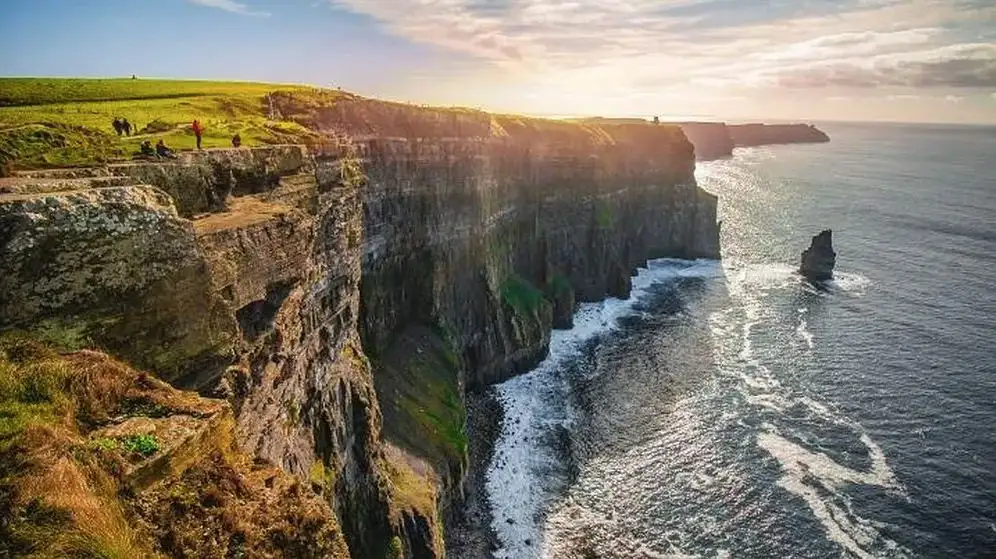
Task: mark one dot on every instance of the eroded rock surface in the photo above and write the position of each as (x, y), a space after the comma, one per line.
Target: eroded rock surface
(444, 245)
(819, 259)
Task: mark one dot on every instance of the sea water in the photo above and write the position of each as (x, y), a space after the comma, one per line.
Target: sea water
(730, 409)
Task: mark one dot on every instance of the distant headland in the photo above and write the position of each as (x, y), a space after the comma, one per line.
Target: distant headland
(715, 140)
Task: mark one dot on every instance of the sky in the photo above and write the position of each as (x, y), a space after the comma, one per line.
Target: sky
(858, 60)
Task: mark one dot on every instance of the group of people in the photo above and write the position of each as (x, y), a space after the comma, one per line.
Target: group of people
(161, 150)
(123, 127)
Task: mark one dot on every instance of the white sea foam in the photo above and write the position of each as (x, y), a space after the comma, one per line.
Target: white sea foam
(809, 474)
(850, 283)
(521, 479)
(535, 404)
(805, 473)
(803, 331)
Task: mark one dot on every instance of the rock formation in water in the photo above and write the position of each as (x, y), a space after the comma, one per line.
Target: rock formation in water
(343, 299)
(819, 259)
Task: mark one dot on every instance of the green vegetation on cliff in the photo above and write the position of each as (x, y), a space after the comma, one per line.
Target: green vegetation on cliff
(61, 122)
(519, 294)
(603, 216)
(559, 285)
(417, 381)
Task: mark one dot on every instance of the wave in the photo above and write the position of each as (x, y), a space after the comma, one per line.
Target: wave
(807, 473)
(519, 481)
(818, 479)
(849, 283)
(803, 329)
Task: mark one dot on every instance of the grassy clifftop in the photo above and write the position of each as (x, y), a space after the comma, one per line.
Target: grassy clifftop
(48, 122)
(55, 122)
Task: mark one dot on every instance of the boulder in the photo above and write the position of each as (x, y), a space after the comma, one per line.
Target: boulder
(819, 259)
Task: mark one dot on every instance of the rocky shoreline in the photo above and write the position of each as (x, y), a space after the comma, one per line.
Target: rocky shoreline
(469, 533)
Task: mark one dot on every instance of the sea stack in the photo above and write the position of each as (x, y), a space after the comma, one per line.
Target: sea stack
(819, 259)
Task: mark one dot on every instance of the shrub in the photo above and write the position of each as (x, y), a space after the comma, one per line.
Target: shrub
(145, 445)
(396, 549)
(521, 295)
(156, 126)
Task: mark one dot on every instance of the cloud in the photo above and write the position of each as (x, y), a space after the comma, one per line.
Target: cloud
(902, 97)
(229, 6)
(855, 44)
(660, 45)
(960, 65)
(953, 98)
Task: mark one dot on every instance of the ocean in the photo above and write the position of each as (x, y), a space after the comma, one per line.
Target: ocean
(730, 409)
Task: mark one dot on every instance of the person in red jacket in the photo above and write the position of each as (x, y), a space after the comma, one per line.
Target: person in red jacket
(198, 131)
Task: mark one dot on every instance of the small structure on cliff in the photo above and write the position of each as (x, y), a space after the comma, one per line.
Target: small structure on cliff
(819, 259)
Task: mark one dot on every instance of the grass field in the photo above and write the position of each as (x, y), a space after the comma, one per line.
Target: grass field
(61, 122)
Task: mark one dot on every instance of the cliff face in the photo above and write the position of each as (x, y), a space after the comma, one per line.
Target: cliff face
(255, 301)
(442, 244)
(746, 135)
(484, 214)
(715, 140)
(711, 139)
(482, 232)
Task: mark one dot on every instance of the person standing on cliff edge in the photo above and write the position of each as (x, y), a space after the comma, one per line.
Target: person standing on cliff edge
(198, 131)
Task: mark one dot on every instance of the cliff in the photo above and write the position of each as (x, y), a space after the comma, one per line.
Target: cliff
(712, 140)
(233, 272)
(746, 135)
(343, 299)
(715, 140)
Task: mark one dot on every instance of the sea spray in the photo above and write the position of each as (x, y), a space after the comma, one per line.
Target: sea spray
(519, 481)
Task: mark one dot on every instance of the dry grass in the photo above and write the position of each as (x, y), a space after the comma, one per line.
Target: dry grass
(226, 506)
(244, 212)
(65, 495)
(57, 503)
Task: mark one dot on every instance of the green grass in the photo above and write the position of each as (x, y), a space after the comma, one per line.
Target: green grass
(603, 216)
(33, 383)
(395, 550)
(435, 407)
(518, 293)
(322, 477)
(65, 122)
(38, 91)
(145, 445)
(559, 285)
(418, 383)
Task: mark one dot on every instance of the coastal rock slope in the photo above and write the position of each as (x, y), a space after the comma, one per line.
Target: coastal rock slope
(344, 298)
